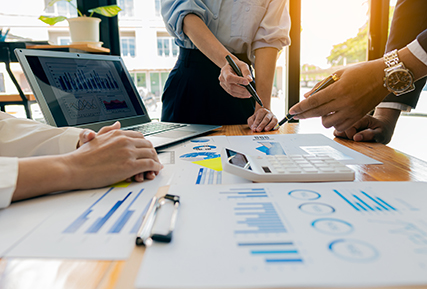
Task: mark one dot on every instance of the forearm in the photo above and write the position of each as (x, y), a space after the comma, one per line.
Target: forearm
(388, 116)
(204, 40)
(42, 175)
(265, 66)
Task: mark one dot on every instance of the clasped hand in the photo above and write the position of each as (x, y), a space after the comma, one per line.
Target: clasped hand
(113, 155)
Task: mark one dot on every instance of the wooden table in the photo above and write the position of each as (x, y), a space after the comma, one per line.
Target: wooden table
(48, 273)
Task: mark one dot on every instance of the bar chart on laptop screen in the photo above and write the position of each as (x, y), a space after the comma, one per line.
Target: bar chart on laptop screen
(88, 91)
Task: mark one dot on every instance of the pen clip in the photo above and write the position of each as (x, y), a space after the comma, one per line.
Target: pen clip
(144, 236)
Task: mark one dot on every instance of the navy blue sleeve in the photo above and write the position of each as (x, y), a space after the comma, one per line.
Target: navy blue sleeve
(422, 39)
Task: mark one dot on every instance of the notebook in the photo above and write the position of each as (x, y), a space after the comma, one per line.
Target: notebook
(92, 91)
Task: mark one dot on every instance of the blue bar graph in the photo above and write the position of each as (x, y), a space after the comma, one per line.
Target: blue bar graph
(138, 223)
(245, 193)
(80, 80)
(257, 218)
(273, 252)
(364, 202)
(124, 217)
(207, 176)
(97, 225)
(83, 217)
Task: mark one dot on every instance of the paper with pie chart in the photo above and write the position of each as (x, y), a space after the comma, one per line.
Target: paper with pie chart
(198, 161)
(294, 235)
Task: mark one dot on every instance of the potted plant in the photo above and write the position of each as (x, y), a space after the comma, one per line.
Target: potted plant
(83, 28)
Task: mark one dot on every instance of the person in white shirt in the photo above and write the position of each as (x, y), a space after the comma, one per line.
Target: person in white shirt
(202, 87)
(37, 159)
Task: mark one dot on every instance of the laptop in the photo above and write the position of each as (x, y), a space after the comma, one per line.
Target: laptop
(92, 91)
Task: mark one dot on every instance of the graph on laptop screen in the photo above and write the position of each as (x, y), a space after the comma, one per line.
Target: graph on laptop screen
(86, 90)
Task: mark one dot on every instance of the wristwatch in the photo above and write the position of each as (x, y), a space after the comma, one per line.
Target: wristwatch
(398, 79)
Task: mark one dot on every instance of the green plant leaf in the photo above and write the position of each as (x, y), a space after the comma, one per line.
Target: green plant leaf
(51, 20)
(109, 11)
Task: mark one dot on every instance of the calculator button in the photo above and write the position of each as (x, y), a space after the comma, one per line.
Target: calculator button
(281, 171)
(326, 169)
(310, 170)
(281, 157)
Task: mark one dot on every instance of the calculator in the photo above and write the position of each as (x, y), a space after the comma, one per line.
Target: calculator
(285, 168)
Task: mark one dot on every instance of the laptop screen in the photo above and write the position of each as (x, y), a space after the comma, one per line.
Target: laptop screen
(81, 91)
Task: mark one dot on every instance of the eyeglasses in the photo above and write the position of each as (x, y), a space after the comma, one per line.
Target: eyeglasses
(144, 236)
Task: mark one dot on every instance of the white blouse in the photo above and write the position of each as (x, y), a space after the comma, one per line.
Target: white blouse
(24, 138)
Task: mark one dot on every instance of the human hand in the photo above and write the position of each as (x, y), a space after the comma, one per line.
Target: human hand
(87, 135)
(232, 83)
(262, 119)
(378, 128)
(113, 156)
(359, 89)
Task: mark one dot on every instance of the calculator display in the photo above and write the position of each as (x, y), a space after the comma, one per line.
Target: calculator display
(238, 159)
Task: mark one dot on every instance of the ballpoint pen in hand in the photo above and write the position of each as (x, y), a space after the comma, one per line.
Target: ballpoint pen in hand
(249, 87)
(323, 84)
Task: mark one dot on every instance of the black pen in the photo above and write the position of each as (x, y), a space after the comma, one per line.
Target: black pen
(249, 87)
(323, 84)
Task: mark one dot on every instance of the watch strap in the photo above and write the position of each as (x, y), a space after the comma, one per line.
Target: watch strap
(391, 58)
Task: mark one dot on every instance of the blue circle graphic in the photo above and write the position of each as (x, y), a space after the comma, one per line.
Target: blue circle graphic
(354, 250)
(204, 148)
(316, 209)
(198, 156)
(200, 140)
(332, 226)
(304, 195)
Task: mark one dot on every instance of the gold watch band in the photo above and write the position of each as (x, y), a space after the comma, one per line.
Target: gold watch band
(391, 58)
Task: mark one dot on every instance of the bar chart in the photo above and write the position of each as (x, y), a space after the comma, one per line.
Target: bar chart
(79, 80)
(362, 201)
(208, 176)
(257, 218)
(281, 252)
(101, 221)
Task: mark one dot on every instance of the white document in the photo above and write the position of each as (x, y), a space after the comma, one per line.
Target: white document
(298, 144)
(197, 161)
(278, 235)
(99, 224)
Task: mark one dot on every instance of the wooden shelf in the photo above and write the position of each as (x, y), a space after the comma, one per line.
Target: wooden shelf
(84, 47)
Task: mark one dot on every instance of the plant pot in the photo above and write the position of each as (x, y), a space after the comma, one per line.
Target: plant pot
(84, 29)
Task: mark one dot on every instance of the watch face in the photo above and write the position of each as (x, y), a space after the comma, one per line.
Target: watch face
(399, 80)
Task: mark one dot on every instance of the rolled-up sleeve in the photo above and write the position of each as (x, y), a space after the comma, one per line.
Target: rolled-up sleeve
(23, 138)
(274, 28)
(174, 12)
(8, 179)
(418, 47)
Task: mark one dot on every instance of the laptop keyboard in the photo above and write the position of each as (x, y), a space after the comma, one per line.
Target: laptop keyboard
(155, 127)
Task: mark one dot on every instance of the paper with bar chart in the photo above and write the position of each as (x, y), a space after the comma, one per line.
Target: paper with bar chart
(102, 225)
(278, 235)
(198, 161)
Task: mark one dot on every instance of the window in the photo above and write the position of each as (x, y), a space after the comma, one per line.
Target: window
(141, 80)
(157, 7)
(64, 40)
(166, 47)
(127, 8)
(157, 82)
(2, 87)
(128, 46)
(62, 8)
